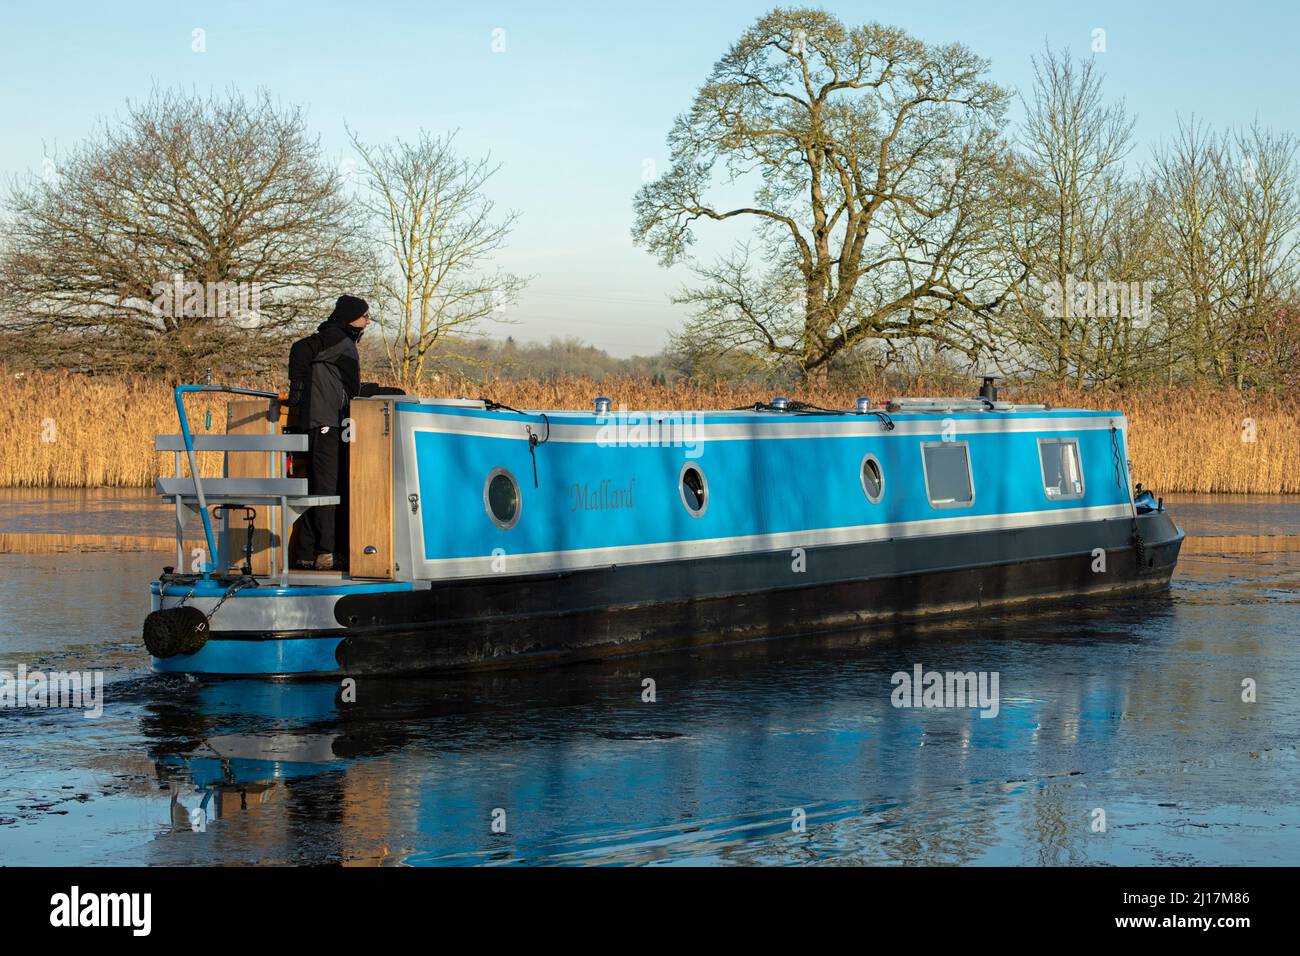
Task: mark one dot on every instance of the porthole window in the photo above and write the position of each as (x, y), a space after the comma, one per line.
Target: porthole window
(694, 489)
(501, 498)
(873, 479)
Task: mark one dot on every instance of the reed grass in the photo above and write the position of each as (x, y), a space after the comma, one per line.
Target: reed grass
(35, 543)
(60, 429)
(1240, 544)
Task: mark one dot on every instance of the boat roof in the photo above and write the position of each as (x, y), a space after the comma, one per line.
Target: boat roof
(897, 408)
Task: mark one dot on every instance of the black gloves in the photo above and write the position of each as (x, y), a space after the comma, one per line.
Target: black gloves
(370, 390)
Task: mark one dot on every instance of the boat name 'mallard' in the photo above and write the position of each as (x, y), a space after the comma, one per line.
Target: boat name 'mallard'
(604, 496)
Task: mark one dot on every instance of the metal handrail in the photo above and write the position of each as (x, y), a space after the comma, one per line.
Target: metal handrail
(179, 394)
(233, 442)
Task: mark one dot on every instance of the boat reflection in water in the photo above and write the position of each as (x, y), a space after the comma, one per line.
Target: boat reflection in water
(579, 767)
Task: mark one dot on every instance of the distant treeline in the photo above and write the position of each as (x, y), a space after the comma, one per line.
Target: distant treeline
(482, 358)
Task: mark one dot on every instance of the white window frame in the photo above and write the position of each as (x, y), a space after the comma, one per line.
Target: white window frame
(487, 501)
(704, 482)
(862, 477)
(1078, 460)
(970, 473)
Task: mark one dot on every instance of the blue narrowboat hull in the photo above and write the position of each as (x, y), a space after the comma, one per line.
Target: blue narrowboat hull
(603, 553)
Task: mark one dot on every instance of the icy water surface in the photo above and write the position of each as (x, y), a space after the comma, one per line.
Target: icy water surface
(85, 511)
(1131, 707)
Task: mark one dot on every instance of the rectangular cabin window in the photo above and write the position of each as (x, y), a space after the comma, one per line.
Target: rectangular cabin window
(1062, 472)
(948, 479)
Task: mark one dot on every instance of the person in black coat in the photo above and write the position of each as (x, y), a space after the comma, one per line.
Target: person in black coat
(324, 376)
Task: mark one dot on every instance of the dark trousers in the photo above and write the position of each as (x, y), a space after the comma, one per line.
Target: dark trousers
(325, 528)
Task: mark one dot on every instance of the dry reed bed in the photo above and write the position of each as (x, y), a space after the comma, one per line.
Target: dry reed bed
(37, 543)
(1186, 439)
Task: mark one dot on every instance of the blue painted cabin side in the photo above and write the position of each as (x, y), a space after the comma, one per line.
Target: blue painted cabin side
(773, 482)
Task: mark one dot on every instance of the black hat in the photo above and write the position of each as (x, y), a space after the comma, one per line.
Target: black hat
(348, 308)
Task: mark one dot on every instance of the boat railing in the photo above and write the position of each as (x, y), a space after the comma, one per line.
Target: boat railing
(959, 405)
(195, 492)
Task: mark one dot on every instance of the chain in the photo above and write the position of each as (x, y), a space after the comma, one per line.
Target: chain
(534, 441)
(188, 593)
(1117, 459)
(533, 438)
(1139, 545)
(238, 585)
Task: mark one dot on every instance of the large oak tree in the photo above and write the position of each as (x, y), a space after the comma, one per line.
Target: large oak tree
(867, 159)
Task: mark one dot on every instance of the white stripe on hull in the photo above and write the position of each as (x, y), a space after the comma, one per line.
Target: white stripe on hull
(720, 547)
(690, 432)
(285, 613)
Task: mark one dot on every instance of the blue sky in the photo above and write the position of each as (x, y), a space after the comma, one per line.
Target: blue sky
(582, 96)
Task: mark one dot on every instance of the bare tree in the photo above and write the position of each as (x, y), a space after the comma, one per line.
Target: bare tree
(438, 232)
(1257, 178)
(1070, 221)
(196, 231)
(1194, 264)
(868, 155)
(1229, 231)
(1126, 339)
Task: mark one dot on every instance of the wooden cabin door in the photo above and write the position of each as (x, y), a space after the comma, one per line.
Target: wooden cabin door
(370, 487)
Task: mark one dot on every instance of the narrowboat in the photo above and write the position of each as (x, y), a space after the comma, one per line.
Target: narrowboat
(484, 536)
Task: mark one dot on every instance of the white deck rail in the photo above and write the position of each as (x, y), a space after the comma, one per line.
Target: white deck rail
(288, 494)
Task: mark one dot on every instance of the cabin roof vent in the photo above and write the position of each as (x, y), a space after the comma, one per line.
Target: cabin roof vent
(779, 403)
(601, 404)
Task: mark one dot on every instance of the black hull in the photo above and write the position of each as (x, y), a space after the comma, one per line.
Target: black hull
(614, 611)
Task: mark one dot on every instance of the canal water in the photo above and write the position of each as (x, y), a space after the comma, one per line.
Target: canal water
(1121, 735)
